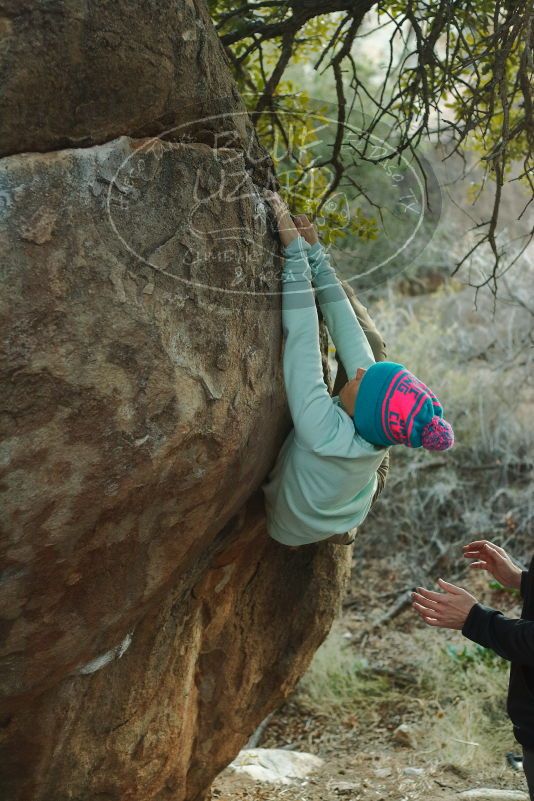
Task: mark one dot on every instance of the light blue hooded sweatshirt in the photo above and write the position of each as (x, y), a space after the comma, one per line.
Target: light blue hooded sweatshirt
(324, 477)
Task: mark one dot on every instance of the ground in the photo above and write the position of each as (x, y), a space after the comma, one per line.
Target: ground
(365, 759)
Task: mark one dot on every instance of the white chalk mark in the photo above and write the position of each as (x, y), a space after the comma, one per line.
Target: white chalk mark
(104, 659)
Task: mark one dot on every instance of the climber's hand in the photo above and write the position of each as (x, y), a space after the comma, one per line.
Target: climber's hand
(448, 610)
(306, 228)
(495, 560)
(286, 227)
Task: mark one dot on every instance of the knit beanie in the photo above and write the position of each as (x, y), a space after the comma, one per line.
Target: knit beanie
(393, 407)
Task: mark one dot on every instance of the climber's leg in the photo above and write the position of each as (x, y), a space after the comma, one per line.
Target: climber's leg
(378, 346)
(382, 474)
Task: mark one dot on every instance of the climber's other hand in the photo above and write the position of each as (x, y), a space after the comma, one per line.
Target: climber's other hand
(286, 227)
(306, 228)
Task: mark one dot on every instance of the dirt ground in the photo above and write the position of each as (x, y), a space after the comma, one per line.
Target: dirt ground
(366, 761)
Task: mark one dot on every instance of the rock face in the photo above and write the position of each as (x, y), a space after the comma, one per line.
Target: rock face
(207, 661)
(148, 623)
(77, 74)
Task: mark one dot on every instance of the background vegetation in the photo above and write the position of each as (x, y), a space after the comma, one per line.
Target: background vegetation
(454, 72)
(448, 86)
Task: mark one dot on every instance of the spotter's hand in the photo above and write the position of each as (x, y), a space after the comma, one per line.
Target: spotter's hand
(448, 609)
(495, 560)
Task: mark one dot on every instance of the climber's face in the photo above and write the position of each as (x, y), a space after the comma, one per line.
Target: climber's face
(349, 392)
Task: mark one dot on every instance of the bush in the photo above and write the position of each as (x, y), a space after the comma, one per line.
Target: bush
(482, 487)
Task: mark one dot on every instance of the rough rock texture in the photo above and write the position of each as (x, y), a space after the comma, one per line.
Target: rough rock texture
(140, 412)
(147, 622)
(214, 652)
(81, 73)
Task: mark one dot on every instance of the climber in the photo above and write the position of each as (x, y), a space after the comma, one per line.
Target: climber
(330, 468)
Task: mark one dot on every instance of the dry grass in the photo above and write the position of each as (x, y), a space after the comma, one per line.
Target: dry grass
(464, 716)
(337, 681)
(480, 367)
(456, 704)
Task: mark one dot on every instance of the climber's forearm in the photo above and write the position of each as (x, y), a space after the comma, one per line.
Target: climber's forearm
(309, 401)
(346, 332)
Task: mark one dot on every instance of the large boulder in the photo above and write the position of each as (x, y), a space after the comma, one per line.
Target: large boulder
(148, 623)
(74, 74)
(141, 409)
(206, 662)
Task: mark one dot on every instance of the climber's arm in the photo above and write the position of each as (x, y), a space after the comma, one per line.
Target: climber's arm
(313, 412)
(346, 332)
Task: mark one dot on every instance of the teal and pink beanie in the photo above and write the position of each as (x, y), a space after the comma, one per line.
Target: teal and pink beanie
(393, 407)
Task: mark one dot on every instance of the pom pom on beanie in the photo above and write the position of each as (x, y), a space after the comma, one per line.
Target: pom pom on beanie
(437, 435)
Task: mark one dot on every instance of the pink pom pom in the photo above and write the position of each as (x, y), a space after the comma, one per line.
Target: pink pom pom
(437, 435)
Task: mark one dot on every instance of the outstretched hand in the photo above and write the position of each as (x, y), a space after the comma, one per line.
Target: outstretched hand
(286, 227)
(448, 610)
(306, 228)
(495, 560)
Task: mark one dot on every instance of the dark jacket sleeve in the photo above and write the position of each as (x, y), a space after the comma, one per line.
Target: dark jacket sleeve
(523, 587)
(513, 639)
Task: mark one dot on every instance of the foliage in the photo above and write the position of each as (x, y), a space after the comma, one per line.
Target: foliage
(455, 70)
(467, 656)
